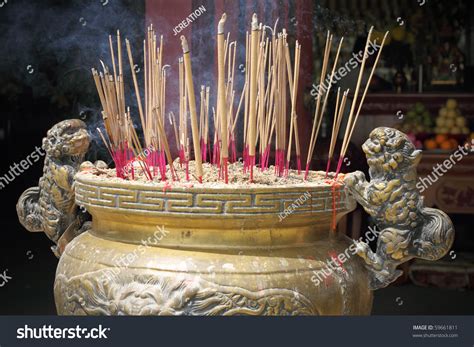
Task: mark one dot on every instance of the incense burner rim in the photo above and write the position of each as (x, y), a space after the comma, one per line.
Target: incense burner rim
(111, 201)
(322, 184)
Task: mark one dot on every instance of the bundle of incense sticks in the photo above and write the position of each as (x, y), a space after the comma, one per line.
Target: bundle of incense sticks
(120, 131)
(122, 140)
(340, 103)
(269, 82)
(268, 101)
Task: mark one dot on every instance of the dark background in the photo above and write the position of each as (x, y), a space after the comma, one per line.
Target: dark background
(47, 49)
(49, 39)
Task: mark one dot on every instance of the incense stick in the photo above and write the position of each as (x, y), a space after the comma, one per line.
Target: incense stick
(192, 108)
(318, 101)
(253, 94)
(135, 83)
(294, 89)
(338, 115)
(221, 97)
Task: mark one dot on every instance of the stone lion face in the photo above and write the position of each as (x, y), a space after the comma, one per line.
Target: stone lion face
(67, 138)
(389, 150)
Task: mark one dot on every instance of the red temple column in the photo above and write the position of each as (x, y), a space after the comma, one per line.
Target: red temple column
(304, 34)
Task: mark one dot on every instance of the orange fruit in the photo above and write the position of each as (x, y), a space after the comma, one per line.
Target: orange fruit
(440, 138)
(431, 144)
(454, 143)
(446, 145)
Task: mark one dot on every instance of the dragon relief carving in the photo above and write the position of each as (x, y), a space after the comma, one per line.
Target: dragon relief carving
(50, 206)
(106, 292)
(408, 229)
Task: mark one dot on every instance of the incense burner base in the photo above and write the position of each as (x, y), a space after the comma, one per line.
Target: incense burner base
(163, 281)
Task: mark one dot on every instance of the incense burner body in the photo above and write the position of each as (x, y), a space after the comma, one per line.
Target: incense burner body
(219, 251)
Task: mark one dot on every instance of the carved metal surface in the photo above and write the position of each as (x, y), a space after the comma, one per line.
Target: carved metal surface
(408, 229)
(128, 293)
(244, 201)
(50, 206)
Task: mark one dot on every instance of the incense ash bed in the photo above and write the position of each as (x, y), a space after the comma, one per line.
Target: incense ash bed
(207, 234)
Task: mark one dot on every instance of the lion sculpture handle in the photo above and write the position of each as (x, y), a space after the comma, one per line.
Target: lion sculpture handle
(50, 206)
(408, 229)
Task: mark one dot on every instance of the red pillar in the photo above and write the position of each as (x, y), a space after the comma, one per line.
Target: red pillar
(304, 34)
(165, 18)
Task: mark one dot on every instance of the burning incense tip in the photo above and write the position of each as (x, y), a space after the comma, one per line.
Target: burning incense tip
(104, 67)
(163, 69)
(275, 26)
(220, 26)
(254, 22)
(184, 44)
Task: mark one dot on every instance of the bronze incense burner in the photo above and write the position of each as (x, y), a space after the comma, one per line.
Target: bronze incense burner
(229, 250)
